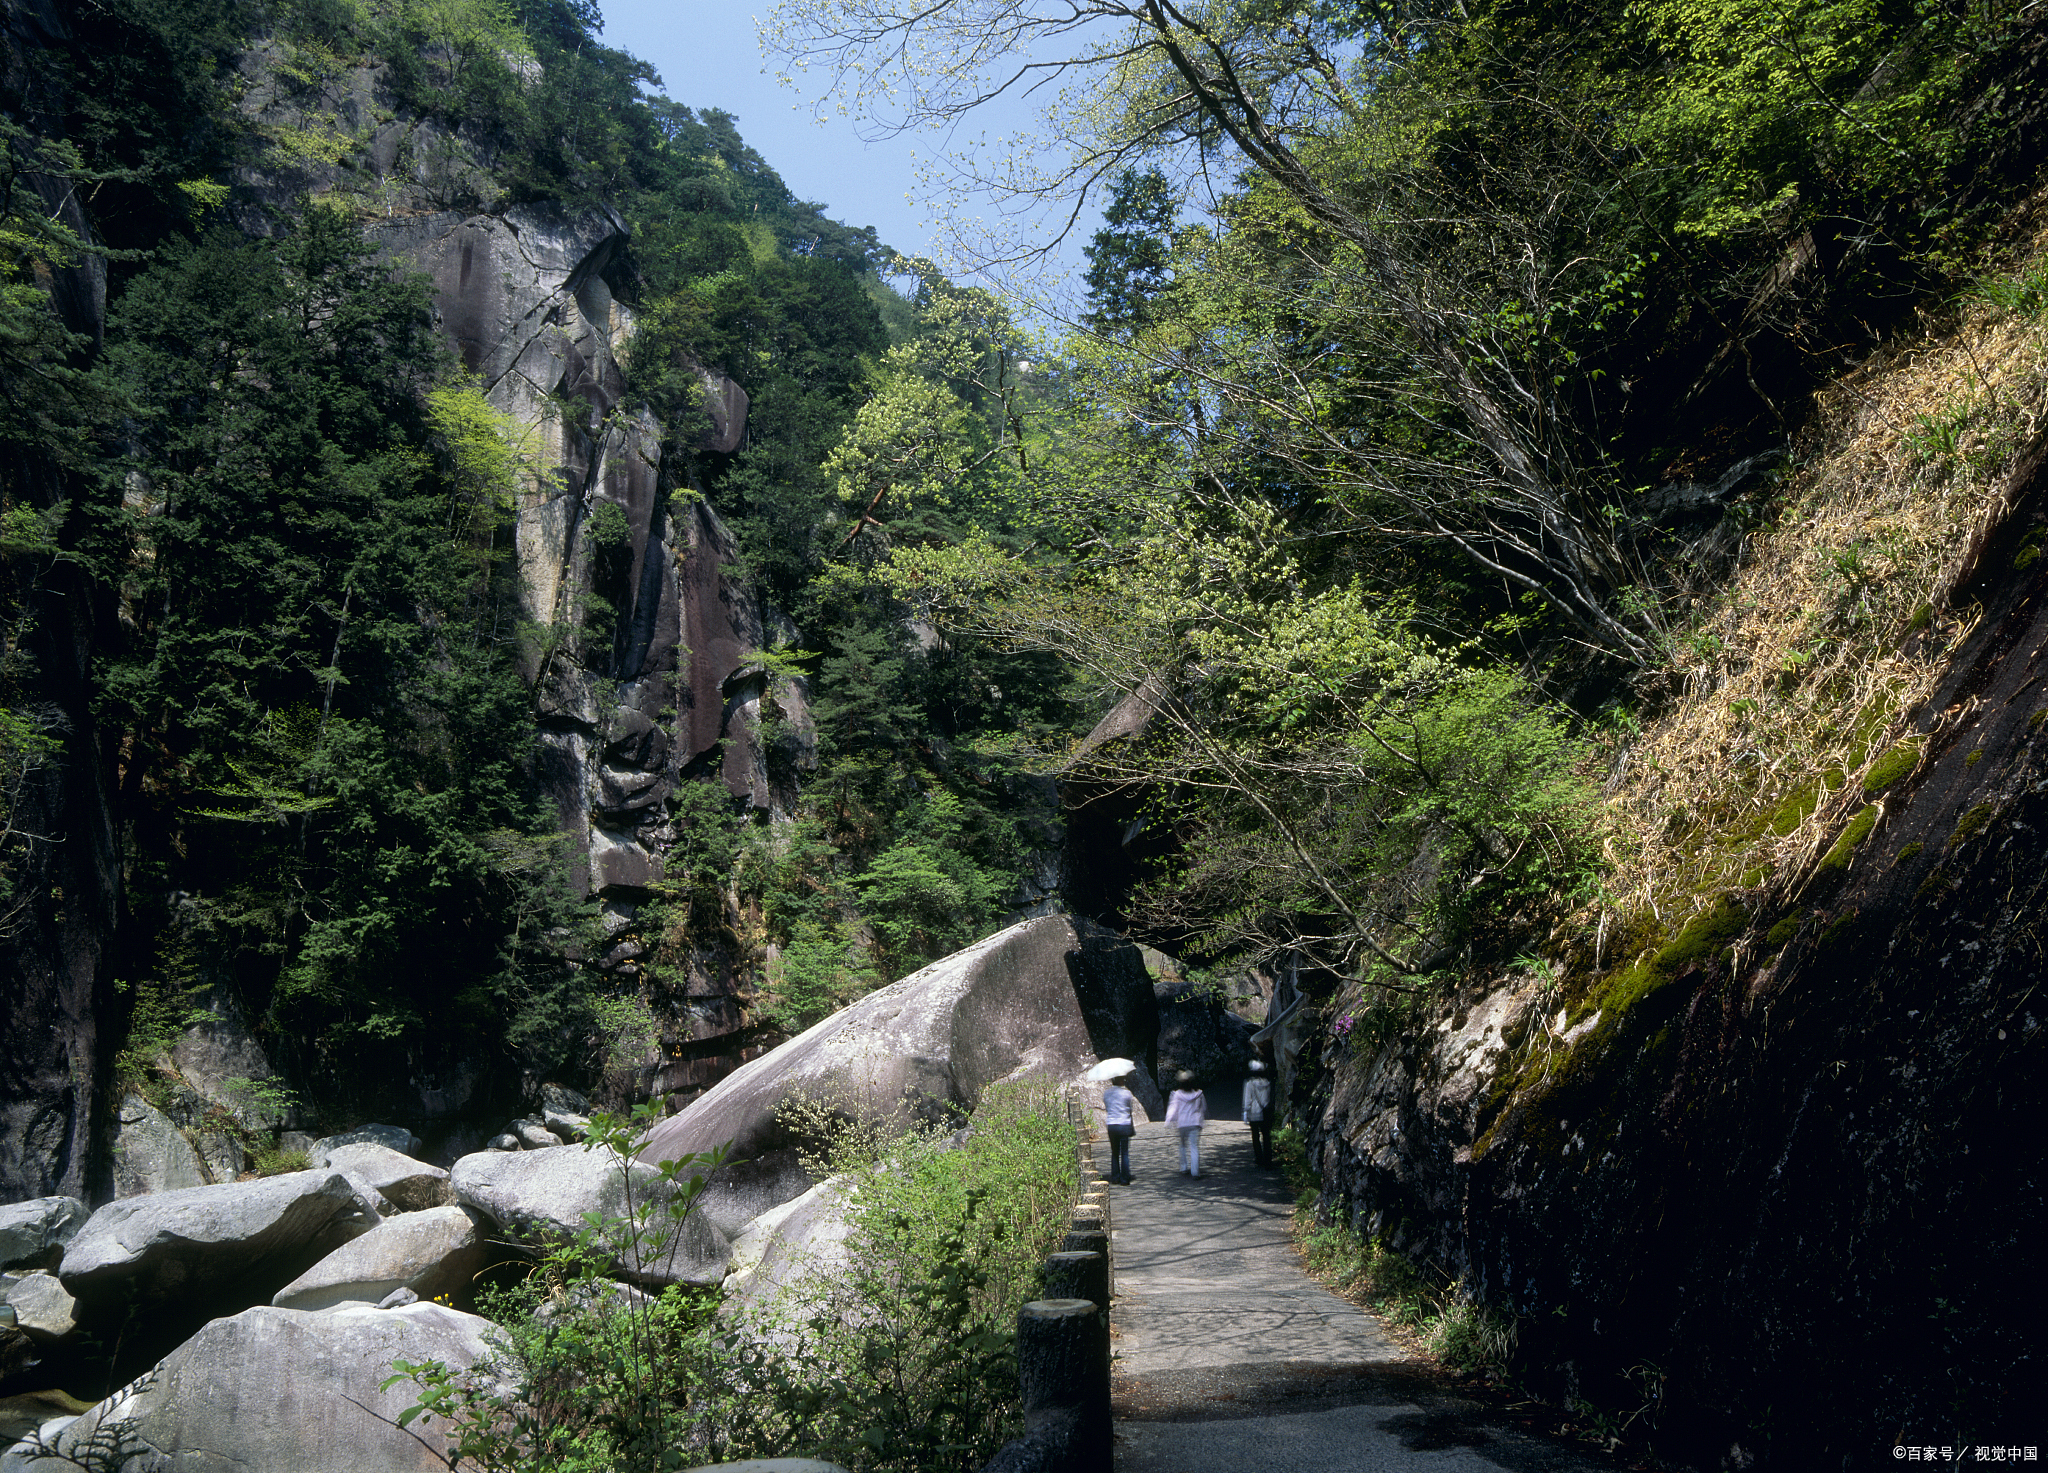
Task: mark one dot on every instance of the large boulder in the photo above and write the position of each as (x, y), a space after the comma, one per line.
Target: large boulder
(432, 1253)
(282, 1391)
(151, 1154)
(391, 1137)
(789, 1243)
(409, 1185)
(35, 1231)
(541, 1198)
(1048, 996)
(42, 1308)
(185, 1245)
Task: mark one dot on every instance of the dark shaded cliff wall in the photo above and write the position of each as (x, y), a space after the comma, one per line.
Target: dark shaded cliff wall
(1790, 1208)
(55, 987)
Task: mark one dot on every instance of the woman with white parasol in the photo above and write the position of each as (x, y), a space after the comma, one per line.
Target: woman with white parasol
(1117, 1119)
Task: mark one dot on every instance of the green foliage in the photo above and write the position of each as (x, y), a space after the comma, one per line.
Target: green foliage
(330, 744)
(1336, 777)
(1465, 1335)
(587, 1376)
(909, 1347)
(1130, 258)
(1889, 768)
(276, 1161)
(902, 1362)
(1836, 860)
(924, 895)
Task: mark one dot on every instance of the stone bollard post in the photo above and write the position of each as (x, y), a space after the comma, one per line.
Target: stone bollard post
(1063, 1364)
(1078, 1276)
(1093, 1240)
(1088, 1218)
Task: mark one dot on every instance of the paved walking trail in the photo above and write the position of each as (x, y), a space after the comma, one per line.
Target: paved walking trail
(1230, 1359)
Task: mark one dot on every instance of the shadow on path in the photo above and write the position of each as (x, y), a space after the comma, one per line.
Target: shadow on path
(1229, 1357)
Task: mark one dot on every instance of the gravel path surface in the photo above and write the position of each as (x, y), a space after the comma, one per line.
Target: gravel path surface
(1230, 1359)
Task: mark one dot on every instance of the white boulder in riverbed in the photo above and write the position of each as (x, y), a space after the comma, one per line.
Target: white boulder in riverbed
(540, 1198)
(411, 1186)
(41, 1307)
(392, 1137)
(30, 1230)
(1048, 996)
(281, 1391)
(181, 1245)
(432, 1253)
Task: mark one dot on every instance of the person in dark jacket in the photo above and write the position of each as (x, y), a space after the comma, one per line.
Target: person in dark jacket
(1258, 1113)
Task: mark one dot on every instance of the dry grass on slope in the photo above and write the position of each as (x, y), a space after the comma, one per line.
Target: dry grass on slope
(1798, 677)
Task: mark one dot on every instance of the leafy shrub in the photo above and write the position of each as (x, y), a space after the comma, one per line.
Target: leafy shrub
(903, 1362)
(910, 1346)
(276, 1161)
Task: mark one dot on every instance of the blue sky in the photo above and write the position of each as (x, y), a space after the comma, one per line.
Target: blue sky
(707, 57)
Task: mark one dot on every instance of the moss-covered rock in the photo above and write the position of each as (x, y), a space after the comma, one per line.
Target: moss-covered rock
(1836, 860)
(1889, 768)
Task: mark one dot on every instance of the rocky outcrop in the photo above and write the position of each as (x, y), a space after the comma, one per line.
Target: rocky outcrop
(220, 1060)
(151, 1154)
(408, 1185)
(1796, 1150)
(1047, 996)
(636, 693)
(433, 1253)
(1197, 1033)
(280, 1389)
(32, 1233)
(540, 1198)
(56, 977)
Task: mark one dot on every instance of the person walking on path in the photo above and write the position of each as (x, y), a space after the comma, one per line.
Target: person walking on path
(1118, 1121)
(1186, 1110)
(1258, 1113)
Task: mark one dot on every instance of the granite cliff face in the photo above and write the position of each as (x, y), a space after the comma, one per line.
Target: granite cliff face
(1782, 1201)
(647, 659)
(523, 299)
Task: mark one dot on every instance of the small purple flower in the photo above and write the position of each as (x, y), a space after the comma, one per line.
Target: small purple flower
(1342, 1027)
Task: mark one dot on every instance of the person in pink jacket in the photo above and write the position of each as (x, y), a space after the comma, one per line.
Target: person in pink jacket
(1186, 1111)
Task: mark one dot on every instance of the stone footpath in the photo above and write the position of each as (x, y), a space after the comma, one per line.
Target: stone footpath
(1230, 1359)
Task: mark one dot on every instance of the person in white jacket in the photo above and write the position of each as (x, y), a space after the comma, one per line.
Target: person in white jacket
(1186, 1111)
(1258, 1113)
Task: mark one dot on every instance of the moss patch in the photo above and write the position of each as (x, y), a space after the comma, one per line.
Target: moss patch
(1783, 932)
(1974, 758)
(1837, 858)
(1911, 851)
(1922, 617)
(1889, 768)
(1936, 885)
(1970, 824)
(2034, 721)
(1832, 936)
(1797, 807)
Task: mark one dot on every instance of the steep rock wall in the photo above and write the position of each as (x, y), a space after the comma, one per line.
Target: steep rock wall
(1787, 1207)
(632, 701)
(55, 941)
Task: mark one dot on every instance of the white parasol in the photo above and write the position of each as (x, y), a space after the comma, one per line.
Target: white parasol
(1110, 1069)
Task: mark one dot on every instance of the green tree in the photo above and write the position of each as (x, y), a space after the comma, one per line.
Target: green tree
(325, 738)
